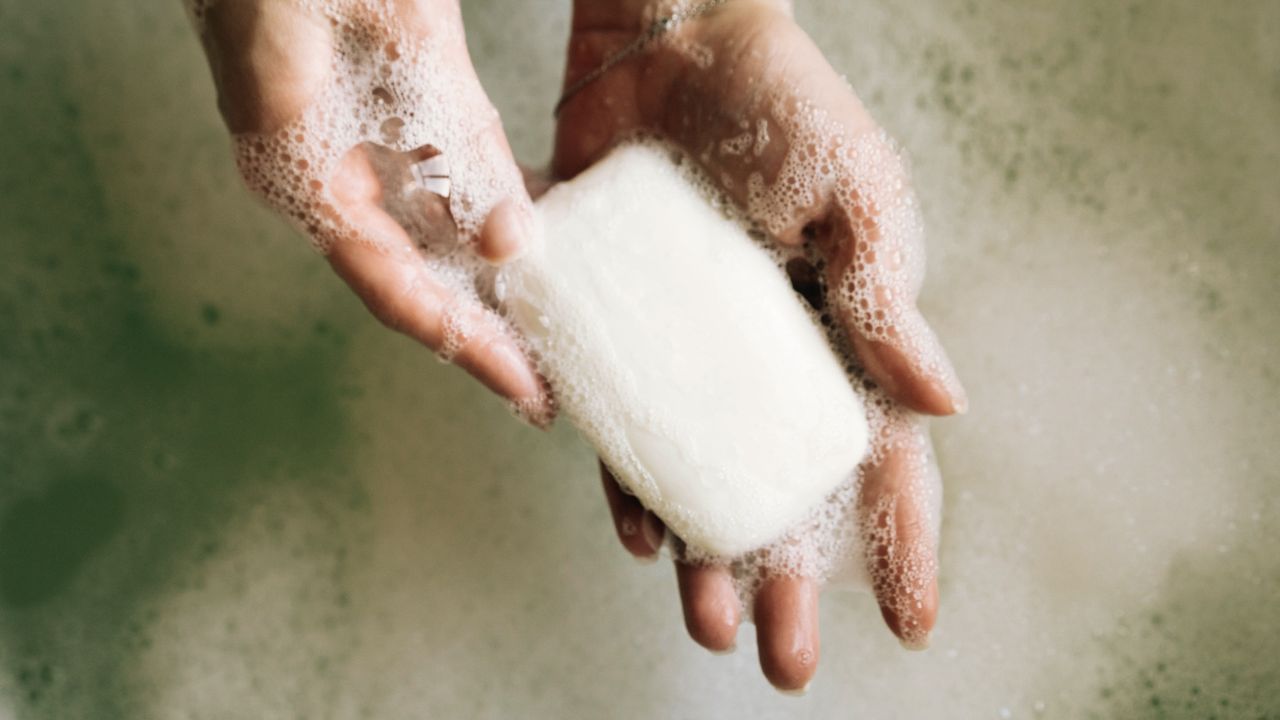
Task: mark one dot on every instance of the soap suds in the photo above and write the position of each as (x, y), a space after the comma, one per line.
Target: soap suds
(381, 80)
(871, 279)
(845, 536)
(426, 134)
(1104, 393)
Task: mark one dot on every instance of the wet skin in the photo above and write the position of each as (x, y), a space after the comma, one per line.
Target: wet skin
(269, 59)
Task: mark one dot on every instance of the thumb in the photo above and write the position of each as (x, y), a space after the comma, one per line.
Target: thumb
(490, 193)
(509, 225)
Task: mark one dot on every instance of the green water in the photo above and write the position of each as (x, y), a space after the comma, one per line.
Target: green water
(129, 441)
(225, 492)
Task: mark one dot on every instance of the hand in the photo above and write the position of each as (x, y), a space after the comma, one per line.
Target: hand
(330, 114)
(745, 93)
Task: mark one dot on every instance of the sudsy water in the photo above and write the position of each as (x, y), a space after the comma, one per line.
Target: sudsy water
(224, 491)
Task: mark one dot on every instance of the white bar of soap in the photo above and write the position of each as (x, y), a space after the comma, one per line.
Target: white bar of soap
(680, 351)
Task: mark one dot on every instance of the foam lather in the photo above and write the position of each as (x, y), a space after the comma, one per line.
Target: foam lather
(678, 348)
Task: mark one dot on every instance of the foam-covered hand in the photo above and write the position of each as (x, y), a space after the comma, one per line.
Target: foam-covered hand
(365, 124)
(745, 93)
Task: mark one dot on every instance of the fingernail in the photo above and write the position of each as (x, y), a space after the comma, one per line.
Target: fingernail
(653, 529)
(726, 651)
(645, 559)
(507, 231)
(796, 692)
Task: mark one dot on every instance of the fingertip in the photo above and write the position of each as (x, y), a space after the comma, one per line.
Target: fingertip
(933, 391)
(537, 409)
(501, 366)
(787, 632)
(913, 626)
(895, 506)
(507, 230)
(959, 399)
(797, 692)
(710, 604)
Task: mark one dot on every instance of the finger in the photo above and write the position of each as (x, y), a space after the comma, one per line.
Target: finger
(909, 363)
(898, 510)
(786, 616)
(506, 231)
(378, 260)
(876, 265)
(508, 228)
(710, 603)
(404, 296)
(639, 530)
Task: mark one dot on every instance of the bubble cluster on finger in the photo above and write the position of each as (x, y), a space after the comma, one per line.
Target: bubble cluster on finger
(900, 552)
(459, 328)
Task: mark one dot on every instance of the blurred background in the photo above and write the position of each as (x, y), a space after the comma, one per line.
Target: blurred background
(227, 492)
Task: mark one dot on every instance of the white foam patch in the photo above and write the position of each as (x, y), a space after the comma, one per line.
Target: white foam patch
(1106, 285)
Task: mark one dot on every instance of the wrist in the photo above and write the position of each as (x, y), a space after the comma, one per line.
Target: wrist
(636, 15)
